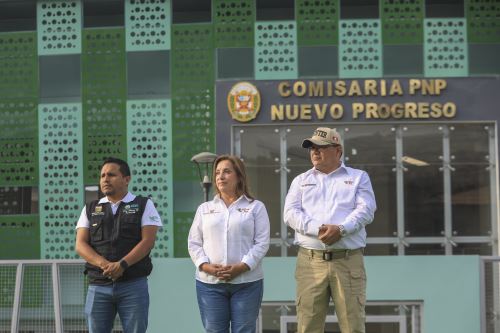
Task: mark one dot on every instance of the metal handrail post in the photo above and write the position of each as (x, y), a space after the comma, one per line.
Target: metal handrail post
(16, 307)
(57, 298)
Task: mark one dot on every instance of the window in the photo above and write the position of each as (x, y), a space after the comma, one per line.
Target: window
(434, 182)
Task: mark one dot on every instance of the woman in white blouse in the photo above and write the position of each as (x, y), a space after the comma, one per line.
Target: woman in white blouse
(227, 241)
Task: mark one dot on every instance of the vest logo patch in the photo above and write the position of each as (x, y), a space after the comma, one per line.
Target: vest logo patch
(131, 209)
(97, 211)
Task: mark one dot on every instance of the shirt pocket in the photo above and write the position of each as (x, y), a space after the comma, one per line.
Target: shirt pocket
(130, 227)
(245, 222)
(345, 195)
(96, 230)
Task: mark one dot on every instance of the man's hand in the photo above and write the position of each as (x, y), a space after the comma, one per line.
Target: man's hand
(231, 271)
(329, 233)
(113, 270)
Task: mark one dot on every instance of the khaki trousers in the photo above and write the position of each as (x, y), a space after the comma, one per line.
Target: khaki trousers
(343, 279)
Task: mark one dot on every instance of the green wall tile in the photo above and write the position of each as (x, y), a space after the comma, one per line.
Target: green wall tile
(147, 23)
(19, 237)
(104, 81)
(317, 22)
(59, 25)
(193, 112)
(402, 21)
(233, 22)
(18, 65)
(149, 138)
(183, 221)
(360, 49)
(276, 50)
(61, 178)
(445, 48)
(483, 21)
(193, 95)
(18, 143)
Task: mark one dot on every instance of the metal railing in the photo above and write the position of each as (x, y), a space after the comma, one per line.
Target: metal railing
(490, 294)
(49, 296)
(43, 296)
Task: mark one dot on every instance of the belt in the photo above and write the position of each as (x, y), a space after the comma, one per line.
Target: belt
(330, 254)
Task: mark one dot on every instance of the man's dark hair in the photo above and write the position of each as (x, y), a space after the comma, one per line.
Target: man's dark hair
(124, 168)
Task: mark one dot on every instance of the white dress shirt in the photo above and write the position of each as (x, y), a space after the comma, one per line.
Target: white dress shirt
(343, 197)
(149, 217)
(230, 235)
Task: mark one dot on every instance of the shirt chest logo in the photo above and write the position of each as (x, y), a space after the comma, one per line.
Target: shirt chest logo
(211, 211)
(243, 210)
(348, 182)
(98, 211)
(131, 209)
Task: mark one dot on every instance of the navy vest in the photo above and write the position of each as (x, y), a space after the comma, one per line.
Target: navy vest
(114, 236)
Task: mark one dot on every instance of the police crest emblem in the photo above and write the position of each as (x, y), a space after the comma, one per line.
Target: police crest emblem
(243, 102)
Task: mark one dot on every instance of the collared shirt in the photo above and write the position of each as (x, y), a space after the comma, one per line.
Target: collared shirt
(344, 196)
(149, 217)
(230, 235)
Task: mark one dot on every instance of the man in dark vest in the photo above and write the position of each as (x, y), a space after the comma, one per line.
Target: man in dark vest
(115, 236)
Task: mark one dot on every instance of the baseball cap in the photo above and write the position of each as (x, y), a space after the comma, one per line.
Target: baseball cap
(322, 136)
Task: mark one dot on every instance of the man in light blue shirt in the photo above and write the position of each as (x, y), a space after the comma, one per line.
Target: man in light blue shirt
(329, 206)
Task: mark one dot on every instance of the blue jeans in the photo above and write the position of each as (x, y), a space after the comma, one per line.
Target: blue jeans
(227, 304)
(130, 299)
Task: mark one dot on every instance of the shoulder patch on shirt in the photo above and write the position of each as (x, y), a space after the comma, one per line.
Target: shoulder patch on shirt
(154, 218)
(97, 211)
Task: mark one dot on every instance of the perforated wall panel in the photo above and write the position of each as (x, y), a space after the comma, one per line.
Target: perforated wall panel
(402, 21)
(18, 65)
(317, 22)
(18, 142)
(483, 20)
(104, 95)
(19, 236)
(59, 25)
(233, 22)
(149, 138)
(183, 221)
(147, 24)
(193, 95)
(445, 47)
(360, 49)
(276, 50)
(61, 178)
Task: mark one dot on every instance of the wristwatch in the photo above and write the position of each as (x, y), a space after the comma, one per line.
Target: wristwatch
(123, 264)
(343, 233)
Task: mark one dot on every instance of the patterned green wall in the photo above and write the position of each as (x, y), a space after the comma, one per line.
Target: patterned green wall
(402, 21)
(149, 139)
(317, 22)
(233, 23)
(104, 96)
(59, 26)
(51, 150)
(360, 50)
(276, 50)
(19, 234)
(61, 177)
